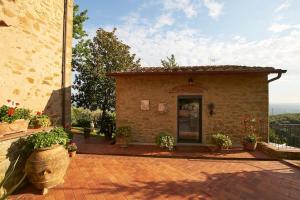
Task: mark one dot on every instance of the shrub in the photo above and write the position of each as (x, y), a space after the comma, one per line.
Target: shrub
(251, 138)
(165, 140)
(38, 121)
(47, 139)
(11, 114)
(221, 141)
(124, 131)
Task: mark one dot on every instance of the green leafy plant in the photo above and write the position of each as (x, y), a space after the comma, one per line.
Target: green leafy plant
(221, 140)
(124, 131)
(47, 139)
(251, 138)
(72, 147)
(165, 140)
(10, 114)
(39, 121)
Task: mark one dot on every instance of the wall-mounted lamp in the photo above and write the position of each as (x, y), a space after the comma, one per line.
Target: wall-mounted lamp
(191, 81)
(211, 108)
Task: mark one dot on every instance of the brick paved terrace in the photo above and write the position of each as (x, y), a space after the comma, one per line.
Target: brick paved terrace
(92, 176)
(124, 177)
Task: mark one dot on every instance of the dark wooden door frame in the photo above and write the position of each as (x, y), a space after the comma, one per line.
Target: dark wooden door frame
(198, 97)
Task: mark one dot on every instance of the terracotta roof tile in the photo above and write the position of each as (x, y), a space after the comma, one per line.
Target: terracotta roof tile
(199, 69)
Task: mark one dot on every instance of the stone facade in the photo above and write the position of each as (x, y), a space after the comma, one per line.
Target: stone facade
(31, 58)
(234, 96)
(31, 49)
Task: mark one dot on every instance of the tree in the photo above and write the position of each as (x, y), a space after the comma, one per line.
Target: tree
(80, 48)
(78, 20)
(105, 53)
(170, 62)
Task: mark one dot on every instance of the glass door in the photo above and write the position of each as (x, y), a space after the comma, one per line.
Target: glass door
(189, 119)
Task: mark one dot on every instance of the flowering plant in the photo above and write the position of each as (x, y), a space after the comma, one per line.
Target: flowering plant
(39, 120)
(10, 112)
(72, 147)
(165, 140)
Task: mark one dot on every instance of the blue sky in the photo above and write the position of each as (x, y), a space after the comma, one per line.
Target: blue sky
(201, 32)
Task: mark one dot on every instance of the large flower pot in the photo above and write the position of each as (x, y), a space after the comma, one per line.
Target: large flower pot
(47, 167)
(250, 146)
(19, 125)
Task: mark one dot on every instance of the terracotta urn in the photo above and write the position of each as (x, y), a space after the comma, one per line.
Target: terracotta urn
(19, 125)
(47, 167)
(249, 146)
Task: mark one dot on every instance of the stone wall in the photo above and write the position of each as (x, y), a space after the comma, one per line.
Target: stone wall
(234, 97)
(31, 48)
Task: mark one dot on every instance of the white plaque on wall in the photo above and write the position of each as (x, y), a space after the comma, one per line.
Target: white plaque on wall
(162, 107)
(145, 105)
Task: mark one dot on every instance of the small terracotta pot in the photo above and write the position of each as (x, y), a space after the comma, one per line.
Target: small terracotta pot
(249, 146)
(122, 141)
(72, 154)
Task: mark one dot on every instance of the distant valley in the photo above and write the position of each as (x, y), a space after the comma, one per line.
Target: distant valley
(282, 108)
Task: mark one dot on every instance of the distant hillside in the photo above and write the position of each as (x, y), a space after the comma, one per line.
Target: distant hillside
(281, 108)
(290, 118)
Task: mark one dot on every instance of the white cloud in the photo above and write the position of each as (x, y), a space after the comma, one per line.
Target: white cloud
(189, 8)
(214, 8)
(193, 48)
(165, 19)
(277, 28)
(283, 6)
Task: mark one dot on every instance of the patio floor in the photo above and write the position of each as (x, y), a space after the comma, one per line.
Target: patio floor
(94, 177)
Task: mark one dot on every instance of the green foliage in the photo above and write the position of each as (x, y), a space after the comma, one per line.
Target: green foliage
(47, 139)
(124, 131)
(170, 62)
(39, 121)
(276, 138)
(165, 140)
(81, 117)
(290, 118)
(78, 20)
(221, 140)
(104, 54)
(10, 114)
(251, 138)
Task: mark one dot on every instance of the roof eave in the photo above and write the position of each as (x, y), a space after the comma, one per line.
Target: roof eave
(113, 74)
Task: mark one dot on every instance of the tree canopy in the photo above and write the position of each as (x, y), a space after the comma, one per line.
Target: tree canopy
(170, 62)
(104, 54)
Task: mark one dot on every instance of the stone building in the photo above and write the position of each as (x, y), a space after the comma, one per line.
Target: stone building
(192, 103)
(35, 58)
(35, 68)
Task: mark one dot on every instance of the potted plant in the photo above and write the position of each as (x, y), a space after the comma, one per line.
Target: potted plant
(72, 148)
(49, 160)
(123, 133)
(13, 119)
(221, 141)
(250, 142)
(165, 140)
(86, 124)
(40, 120)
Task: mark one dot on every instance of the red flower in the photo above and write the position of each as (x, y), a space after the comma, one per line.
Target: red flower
(38, 113)
(8, 100)
(10, 111)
